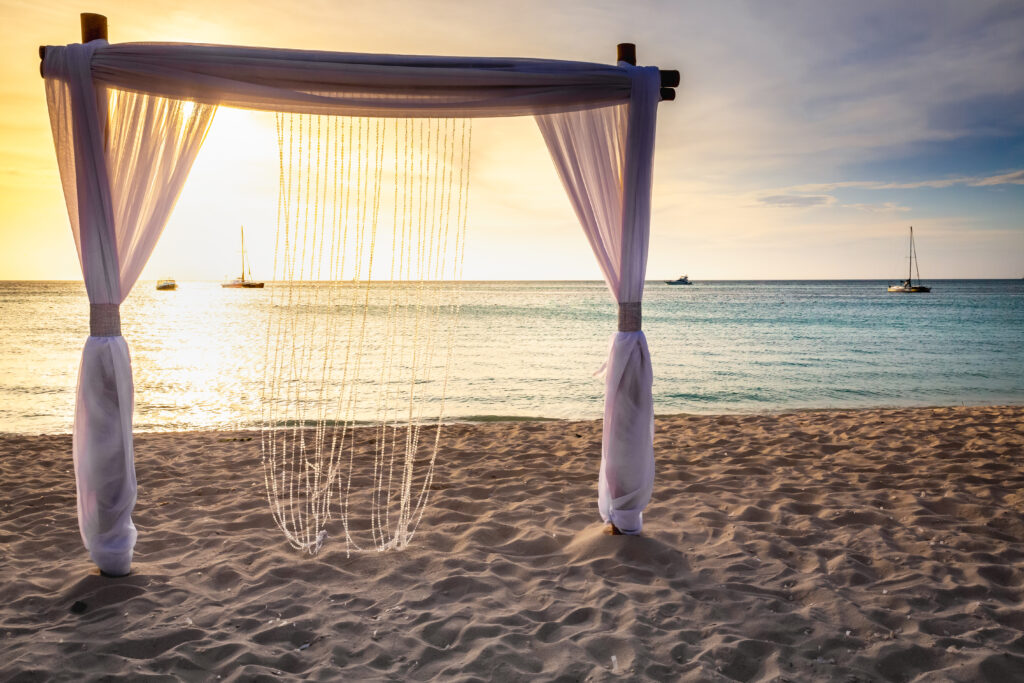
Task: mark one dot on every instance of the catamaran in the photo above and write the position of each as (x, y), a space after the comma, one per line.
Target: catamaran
(908, 286)
(241, 282)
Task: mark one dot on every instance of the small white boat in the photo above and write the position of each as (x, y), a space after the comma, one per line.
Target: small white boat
(681, 280)
(166, 285)
(241, 282)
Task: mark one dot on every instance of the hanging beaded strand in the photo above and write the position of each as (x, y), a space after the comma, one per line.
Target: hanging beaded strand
(344, 346)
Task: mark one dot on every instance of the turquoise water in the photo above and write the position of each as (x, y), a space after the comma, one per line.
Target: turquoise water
(531, 349)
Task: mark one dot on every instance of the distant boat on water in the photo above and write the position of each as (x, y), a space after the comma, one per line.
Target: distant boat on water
(681, 280)
(241, 282)
(166, 285)
(908, 286)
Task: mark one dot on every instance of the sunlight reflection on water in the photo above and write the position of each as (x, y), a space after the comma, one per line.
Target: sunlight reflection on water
(531, 348)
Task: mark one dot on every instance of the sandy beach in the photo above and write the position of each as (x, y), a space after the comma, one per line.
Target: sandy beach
(868, 545)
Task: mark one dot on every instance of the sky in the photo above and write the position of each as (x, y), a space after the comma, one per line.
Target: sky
(805, 137)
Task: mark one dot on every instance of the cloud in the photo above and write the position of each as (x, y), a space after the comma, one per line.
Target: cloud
(823, 90)
(1011, 178)
(799, 201)
(805, 201)
(1007, 178)
(885, 207)
(816, 194)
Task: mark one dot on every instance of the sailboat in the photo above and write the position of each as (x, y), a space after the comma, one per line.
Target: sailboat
(908, 286)
(241, 282)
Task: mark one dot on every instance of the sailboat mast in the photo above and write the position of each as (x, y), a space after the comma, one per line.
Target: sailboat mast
(241, 230)
(917, 263)
(910, 256)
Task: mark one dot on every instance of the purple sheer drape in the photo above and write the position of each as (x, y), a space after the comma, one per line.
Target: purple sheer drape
(604, 158)
(123, 160)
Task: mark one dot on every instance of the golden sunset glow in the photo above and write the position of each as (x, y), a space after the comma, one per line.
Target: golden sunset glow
(764, 168)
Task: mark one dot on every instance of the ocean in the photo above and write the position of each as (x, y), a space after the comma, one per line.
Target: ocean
(531, 349)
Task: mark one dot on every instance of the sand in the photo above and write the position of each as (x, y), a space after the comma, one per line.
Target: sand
(870, 545)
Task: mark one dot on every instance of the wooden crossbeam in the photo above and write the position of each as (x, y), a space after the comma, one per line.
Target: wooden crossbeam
(94, 27)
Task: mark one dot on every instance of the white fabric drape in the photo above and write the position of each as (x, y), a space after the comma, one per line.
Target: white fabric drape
(306, 81)
(604, 158)
(123, 159)
(129, 119)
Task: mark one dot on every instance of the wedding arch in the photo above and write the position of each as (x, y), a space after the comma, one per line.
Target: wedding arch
(129, 119)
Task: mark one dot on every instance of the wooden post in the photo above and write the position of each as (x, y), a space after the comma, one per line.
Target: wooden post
(669, 78)
(94, 27)
(626, 53)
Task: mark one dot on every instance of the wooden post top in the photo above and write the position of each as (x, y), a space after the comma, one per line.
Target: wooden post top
(94, 27)
(626, 52)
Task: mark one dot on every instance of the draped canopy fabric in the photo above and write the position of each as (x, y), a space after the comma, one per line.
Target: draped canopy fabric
(604, 158)
(306, 81)
(128, 121)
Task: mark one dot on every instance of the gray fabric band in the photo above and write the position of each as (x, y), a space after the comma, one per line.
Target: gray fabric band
(104, 320)
(629, 317)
